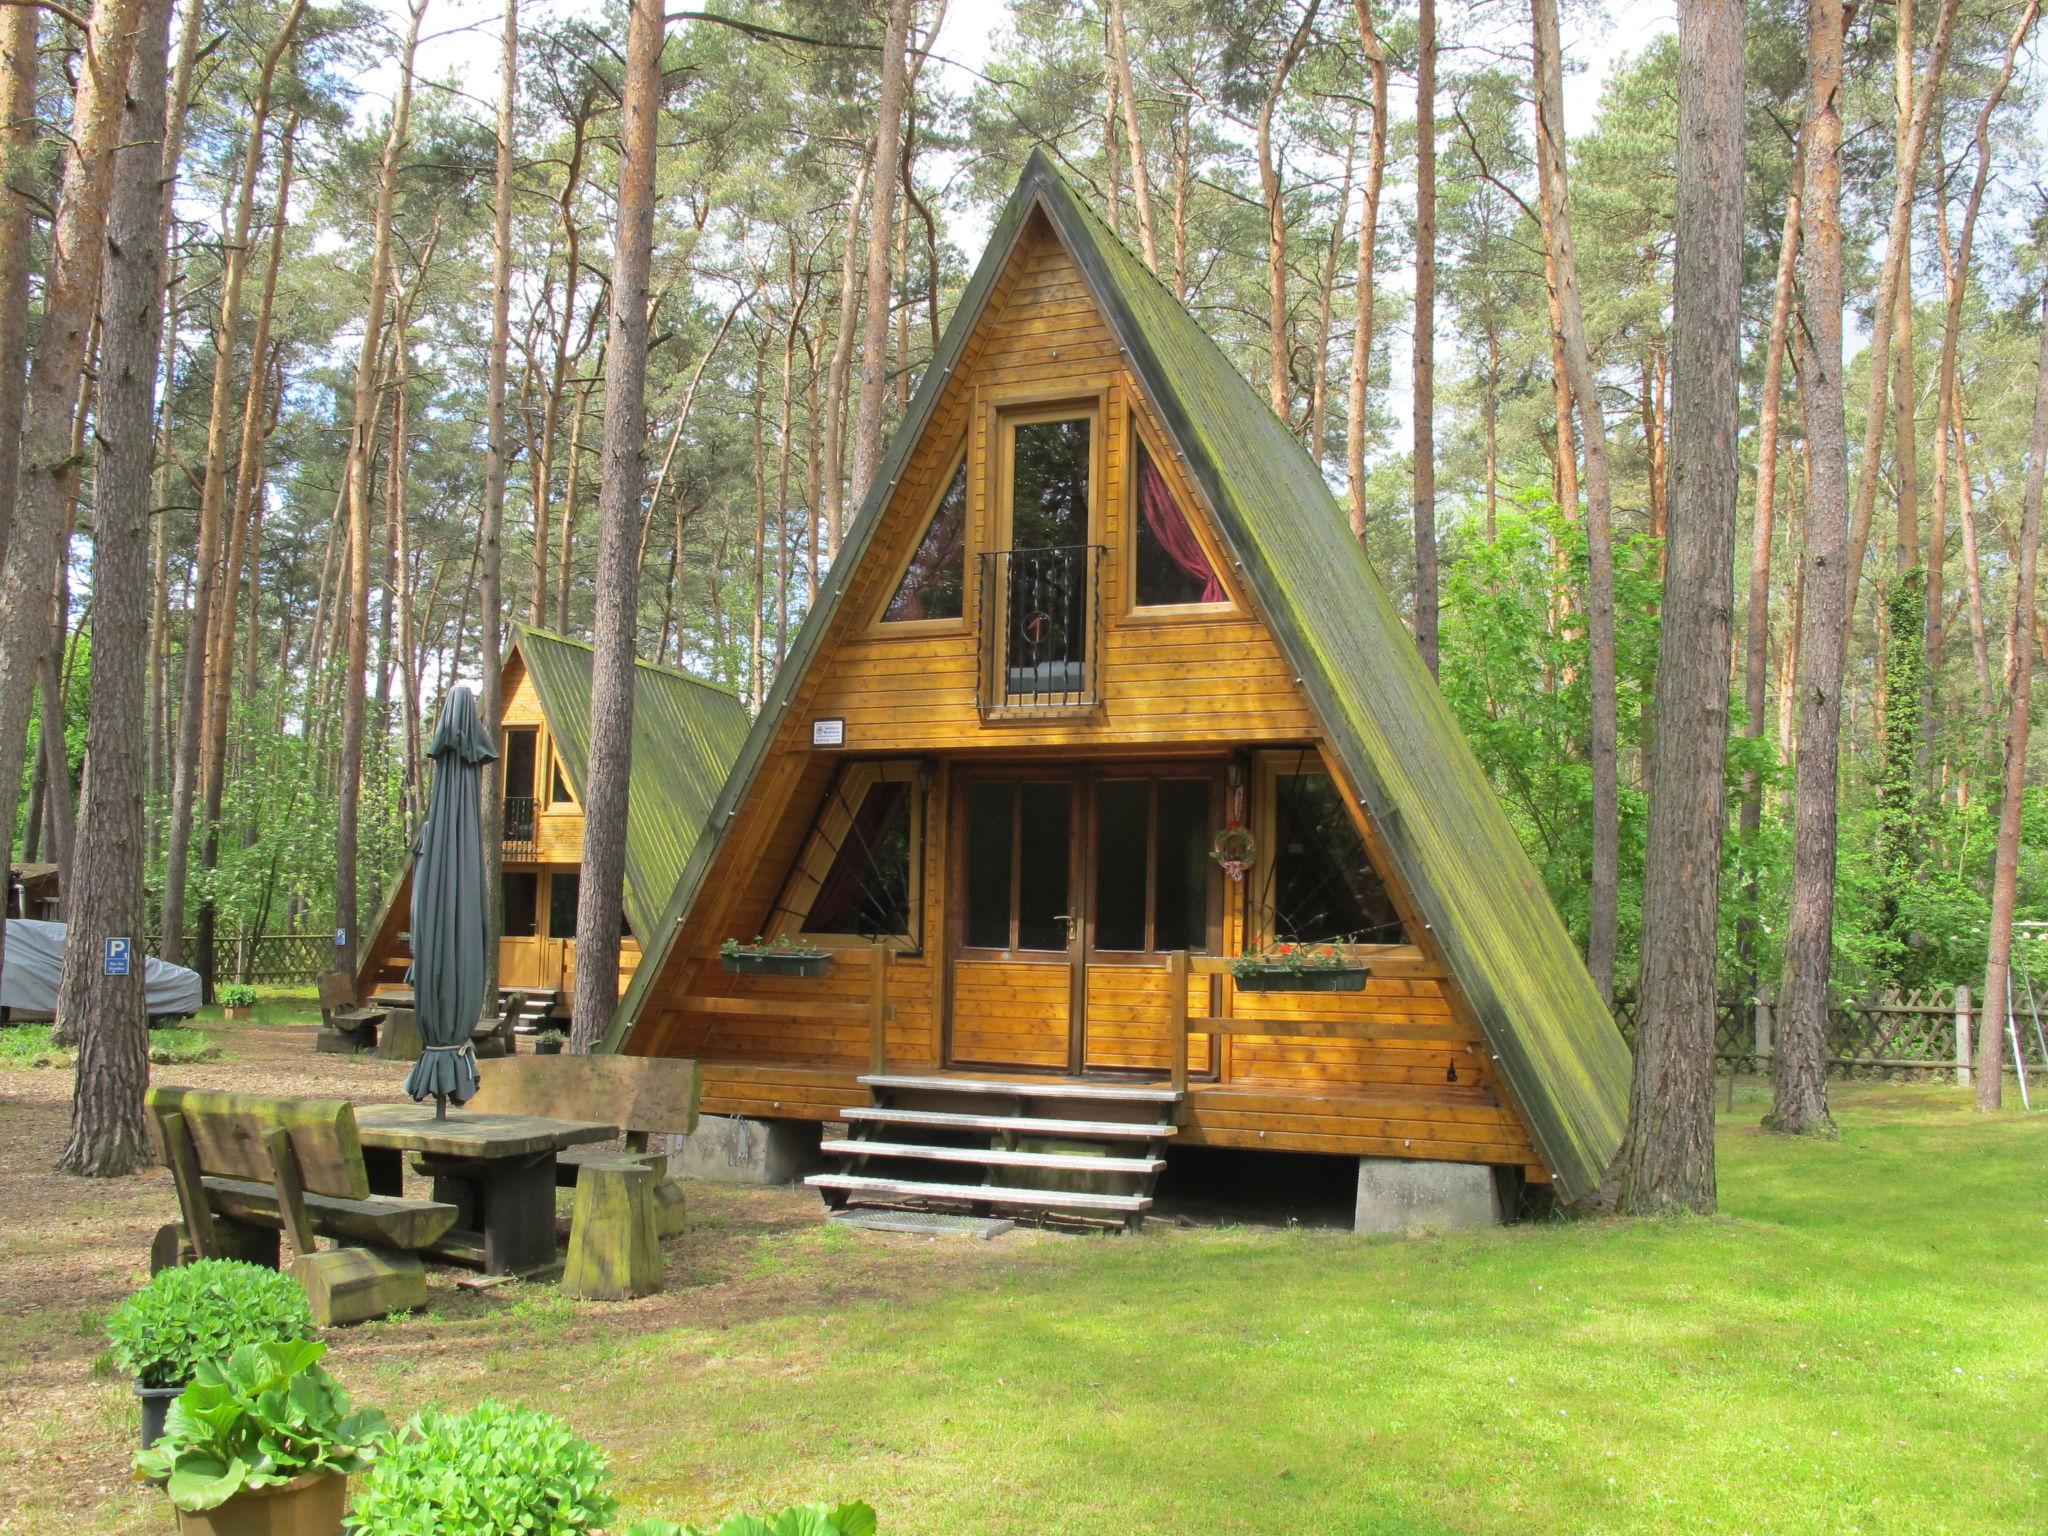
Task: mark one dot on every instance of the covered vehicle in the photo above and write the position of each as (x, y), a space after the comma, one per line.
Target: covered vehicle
(35, 961)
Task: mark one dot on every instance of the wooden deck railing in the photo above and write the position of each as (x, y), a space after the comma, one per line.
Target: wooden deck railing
(1225, 1010)
(875, 1011)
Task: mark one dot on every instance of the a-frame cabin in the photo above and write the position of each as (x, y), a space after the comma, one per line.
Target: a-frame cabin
(686, 734)
(1100, 608)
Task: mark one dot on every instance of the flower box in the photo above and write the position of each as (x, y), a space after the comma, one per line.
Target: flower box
(1344, 978)
(745, 964)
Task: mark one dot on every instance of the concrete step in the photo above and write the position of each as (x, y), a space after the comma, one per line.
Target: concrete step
(858, 1185)
(993, 1157)
(1048, 1088)
(1022, 1125)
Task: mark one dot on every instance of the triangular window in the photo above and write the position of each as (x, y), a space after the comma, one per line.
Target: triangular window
(934, 586)
(1172, 566)
(867, 889)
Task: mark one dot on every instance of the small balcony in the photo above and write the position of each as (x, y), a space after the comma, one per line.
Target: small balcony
(519, 826)
(1041, 620)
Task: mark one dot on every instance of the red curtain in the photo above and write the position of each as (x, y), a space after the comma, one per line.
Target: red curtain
(1169, 525)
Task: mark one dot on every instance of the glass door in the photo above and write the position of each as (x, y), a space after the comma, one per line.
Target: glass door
(1154, 889)
(1015, 922)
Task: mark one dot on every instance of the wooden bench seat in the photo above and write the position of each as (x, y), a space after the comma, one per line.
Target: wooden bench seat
(379, 1221)
(245, 1165)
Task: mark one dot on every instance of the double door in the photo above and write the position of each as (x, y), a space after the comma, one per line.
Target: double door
(1070, 887)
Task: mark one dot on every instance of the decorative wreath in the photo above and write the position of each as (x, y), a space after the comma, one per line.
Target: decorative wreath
(1234, 849)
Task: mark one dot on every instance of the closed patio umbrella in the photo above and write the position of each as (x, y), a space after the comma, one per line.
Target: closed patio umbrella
(448, 908)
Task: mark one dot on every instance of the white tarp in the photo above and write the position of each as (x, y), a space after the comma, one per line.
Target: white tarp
(35, 960)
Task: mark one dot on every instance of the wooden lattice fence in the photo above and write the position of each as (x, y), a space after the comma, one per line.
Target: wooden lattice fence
(1910, 1035)
(268, 959)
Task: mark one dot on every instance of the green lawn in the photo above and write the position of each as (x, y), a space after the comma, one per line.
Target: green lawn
(1858, 1345)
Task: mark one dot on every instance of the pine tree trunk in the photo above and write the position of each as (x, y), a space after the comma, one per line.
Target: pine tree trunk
(1667, 1161)
(571, 499)
(491, 534)
(1799, 1098)
(1424, 410)
(103, 893)
(1905, 435)
(841, 366)
(70, 292)
(757, 687)
(1757, 620)
(2019, 678)
(362, 455)
(1973, 571)
(1279, 340)
(1141, 182)
(624, 453)
(17, 143)
(1892, 279)
(874, 352)
(1315, 428)
(1606, 872)
(1368, 237)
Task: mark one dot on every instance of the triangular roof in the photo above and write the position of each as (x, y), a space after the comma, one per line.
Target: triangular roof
(686, 734)
(1384, 719)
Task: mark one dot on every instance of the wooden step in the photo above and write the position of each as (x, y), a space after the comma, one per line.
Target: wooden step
(1023, 1125)
(994, 1157)
(991, 1194)
(1050, 1088)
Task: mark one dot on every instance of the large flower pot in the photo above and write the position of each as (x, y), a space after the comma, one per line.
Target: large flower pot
(778, 965)
(306, 1506)
(1342, 979)
(236, 1015)
(156, 1402)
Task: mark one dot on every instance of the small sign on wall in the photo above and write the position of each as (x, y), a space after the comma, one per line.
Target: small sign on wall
(828, 733)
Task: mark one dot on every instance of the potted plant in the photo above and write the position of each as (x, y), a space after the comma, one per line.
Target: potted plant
(237, 1001)
(549, 1042)
(496, 1468)
(784, 957)
(1299, 968)
(262, 1444)
(191, 1313)
(855, 1519)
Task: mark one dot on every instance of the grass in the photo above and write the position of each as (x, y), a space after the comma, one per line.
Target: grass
(30, 1045)
(1857, 1344)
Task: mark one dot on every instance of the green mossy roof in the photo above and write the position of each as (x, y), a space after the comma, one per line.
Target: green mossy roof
(1455, 850)
(686, 734)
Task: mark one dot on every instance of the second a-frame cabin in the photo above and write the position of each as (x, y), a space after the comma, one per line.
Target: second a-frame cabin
(686, 733)
(1100, 695)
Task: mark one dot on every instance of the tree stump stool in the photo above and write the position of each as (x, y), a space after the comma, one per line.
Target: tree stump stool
(399, 1039)
(614, 1247)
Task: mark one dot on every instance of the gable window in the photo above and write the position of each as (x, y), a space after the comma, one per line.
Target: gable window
(1172, 568)
(563, 794)
(1322, 887)
(934, 585)
(857, 877)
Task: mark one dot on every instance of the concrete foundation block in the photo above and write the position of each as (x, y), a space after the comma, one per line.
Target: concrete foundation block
(732, 1149)
(1406, 1195)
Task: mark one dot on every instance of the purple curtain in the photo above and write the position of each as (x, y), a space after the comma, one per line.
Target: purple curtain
(1169, 525)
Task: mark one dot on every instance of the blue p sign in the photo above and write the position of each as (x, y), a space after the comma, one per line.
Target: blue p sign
(118, 951)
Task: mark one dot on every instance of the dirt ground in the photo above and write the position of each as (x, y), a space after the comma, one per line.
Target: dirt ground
(70, 1249)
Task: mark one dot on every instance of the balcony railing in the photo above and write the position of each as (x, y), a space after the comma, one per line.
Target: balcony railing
(519, 822)
(1041, 612)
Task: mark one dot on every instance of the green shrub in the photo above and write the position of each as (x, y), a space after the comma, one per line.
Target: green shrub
(202, 1311)
(236, 995)
(496, 1468)
(854, 1519)
(262, 1417)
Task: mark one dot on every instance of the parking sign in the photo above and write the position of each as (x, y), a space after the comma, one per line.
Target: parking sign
(118, 951)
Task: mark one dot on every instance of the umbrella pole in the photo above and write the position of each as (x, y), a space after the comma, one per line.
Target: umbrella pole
(440, 1106)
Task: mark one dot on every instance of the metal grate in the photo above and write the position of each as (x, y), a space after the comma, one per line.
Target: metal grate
(519, 822)
(925, 1223)
(1040, 613)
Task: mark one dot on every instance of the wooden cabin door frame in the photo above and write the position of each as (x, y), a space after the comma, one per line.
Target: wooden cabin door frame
(978, 1019)
(993, 991)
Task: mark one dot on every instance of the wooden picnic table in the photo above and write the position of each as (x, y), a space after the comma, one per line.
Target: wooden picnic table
(497, 1170)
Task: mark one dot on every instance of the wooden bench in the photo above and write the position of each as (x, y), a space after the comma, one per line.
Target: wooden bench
(645, 1096)
(346, 1026)
(500, 1037)
(247, 1167)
